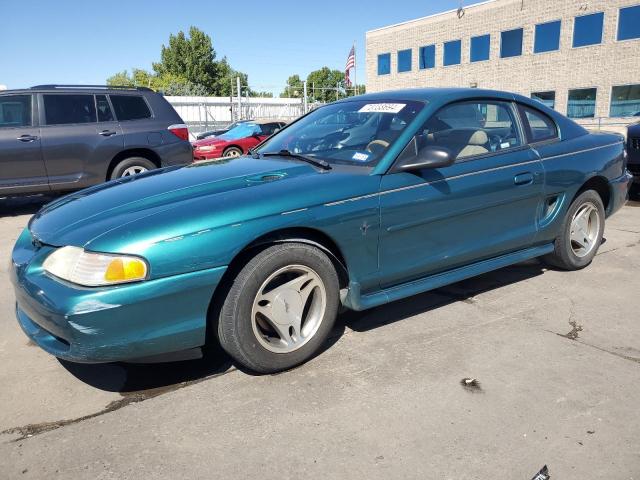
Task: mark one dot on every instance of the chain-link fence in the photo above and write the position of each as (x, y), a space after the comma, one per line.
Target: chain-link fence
(203, 114)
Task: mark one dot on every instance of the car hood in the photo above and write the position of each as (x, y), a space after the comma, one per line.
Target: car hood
(180, 200)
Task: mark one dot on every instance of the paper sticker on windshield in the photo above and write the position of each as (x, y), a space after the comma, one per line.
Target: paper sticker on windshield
(382, 108)
(360, 157)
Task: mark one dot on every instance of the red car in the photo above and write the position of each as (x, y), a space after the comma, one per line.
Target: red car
(236, 141)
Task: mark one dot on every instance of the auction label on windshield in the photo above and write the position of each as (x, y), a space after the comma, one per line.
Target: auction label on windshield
(382, 108)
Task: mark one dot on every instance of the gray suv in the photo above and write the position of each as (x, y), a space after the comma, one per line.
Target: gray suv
(57, 137)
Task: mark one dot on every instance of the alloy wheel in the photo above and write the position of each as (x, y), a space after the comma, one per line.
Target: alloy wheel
(585, 228)
(288, 308)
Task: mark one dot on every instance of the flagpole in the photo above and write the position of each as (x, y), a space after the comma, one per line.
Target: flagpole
(355, 68)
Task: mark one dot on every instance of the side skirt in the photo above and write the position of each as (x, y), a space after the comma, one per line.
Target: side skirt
(355, 301)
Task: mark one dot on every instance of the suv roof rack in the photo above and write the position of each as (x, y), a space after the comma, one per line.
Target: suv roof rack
(92, 87)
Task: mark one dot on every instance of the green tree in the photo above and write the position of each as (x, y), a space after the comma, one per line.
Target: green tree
(294, 88)
(120, 79)
(192, 58)
(322, 85)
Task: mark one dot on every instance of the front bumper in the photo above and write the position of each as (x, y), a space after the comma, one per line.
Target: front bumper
(120, 323)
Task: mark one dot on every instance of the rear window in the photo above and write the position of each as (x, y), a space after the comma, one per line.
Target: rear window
(15, 111)
(67, 109)
(130, 107)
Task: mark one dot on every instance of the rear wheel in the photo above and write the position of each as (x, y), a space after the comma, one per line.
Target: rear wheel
(132, 166)
(232, 152)
(581, 234)
(280, 308)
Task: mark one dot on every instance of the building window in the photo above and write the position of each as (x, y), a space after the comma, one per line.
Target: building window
(582, 103)
(547, 37)
(629, 23)
(625, 101)
(427, 57)
(511, 45)
(452, 53)
(384, 64)
(587, 30)
(404, 61)
(480, 48)
(546, 98)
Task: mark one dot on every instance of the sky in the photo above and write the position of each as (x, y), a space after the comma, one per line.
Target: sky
(85, 42)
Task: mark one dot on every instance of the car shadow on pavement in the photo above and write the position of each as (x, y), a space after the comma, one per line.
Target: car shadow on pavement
(463, 291)
(128, 378)
(24, 205)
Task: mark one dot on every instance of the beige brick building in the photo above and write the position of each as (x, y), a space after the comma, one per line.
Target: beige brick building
(612, 62)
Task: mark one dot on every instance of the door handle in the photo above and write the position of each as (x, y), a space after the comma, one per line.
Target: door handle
(27, 138)
(523, 178)
(107, 133)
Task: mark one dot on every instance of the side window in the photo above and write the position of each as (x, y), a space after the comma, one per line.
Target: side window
(67, 109)
(540, 127)
(15, 111)
(472, 128)
(104, 109)
(130, 107)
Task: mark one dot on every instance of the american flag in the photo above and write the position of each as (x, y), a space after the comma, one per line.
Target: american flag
(351, 63)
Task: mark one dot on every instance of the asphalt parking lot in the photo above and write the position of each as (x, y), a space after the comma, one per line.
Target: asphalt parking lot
(556, 357)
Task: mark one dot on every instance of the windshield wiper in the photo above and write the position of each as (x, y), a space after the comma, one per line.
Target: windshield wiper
(286, 153)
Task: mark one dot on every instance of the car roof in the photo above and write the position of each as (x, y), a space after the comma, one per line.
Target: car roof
(89, 89)
(431, 94)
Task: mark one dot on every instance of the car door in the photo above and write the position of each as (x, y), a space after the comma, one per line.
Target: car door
(76, 147)
(482, 206)
(21, 164)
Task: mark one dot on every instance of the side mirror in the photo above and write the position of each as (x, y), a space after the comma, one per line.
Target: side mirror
(427, 157)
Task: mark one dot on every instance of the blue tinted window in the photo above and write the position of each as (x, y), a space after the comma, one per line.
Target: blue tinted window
(480, 47)
(511, 45)
(629, 23)
(384, 64)
(582, 103)
(404, 61)
(587, 30)
(625, 101)
(452, 52)
(427, 57)
(546, 98)
(547, 37)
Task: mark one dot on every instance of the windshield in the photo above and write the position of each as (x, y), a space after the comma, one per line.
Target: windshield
(356, 132)
(242, 130)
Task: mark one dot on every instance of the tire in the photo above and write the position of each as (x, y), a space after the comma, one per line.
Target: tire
(232, 152)
(569, 254)
(255, 341)
(132, 166)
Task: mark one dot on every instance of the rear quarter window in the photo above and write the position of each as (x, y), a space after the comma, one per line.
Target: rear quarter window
(130, 107)
(540, 127)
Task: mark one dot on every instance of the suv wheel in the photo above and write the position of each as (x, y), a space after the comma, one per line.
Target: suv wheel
(280, 308)
(581, 233)
(132, 166)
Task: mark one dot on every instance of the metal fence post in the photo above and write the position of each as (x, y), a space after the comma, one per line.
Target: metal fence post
(239, 99)
(305, 105)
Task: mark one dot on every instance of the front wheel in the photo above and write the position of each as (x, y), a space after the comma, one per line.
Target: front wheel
(280, 308)
(581, 233)
(232, 152)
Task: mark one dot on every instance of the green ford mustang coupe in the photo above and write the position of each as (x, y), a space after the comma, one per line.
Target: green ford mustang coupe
(359, 203)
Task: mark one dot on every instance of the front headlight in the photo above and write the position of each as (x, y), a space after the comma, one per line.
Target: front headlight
(94, 269)
(206, 148)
